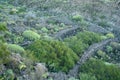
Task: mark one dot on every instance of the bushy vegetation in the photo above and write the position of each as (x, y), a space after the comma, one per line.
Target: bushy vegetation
(110, 53)
(110, 35)
(15, 48)
(77, 17)
(101, 70)
(44, 29)
(9, 75)
(85, 76)
(31, 35)
(89, 37)
(104, 23)
(55, 54)
(82, 40)
(76, 45)
(4, 53)
(26, 22)
(3, 26)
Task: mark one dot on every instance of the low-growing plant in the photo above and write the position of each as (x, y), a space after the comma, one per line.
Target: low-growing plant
(81, 41)
(110, 35)
(100, 53)
(104, 23)
(4, 53)
(89, 37)
(13, 11)
(86, 76)
(9, 74)
(3, 26)
(15, 48)
(76, 45)
(31, 35)
(77, 17)
(101, 70)
(44, 29)
(55, 54)
(103, 37)
(109, 49)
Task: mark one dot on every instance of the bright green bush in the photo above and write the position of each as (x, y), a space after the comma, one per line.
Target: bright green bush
(76, 45)
(55, 54)
(44, 29)
(109, 49)
(81, 41)
(13, 11)
(89, 37)
(110, 35)
(115, 45)
(3, 26)
(9, 75)
(4, 54)
(101, 70)
(103, 37)
(15, 48)
(86, 76)
(101, 53)
(77, 17)
(31, 35)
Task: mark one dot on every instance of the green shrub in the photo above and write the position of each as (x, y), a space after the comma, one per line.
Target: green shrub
(4, 53)
(55, 54)
(15, 48)
(101, 70)
(102, 54)
(86, 76)
(3, 26)
(77, 17)
(110, 35)
(18, 39)
(9, 75)
(89, 37)
(31, 35)
(109, 49)
(13, 11)
(44, 29)
(76, 45)
(81, 41)
(103, 37)
(115, 45)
